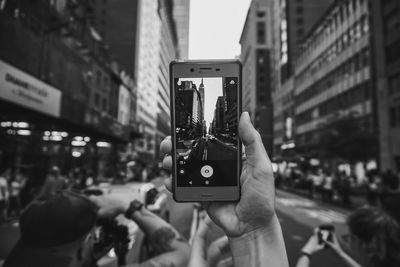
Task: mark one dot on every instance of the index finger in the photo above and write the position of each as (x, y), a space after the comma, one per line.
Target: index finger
(166, 145)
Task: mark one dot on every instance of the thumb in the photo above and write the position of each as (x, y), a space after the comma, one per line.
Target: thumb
(254, 147)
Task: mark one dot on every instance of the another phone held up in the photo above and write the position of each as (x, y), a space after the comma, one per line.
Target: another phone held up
(205, 110)
(325, 233)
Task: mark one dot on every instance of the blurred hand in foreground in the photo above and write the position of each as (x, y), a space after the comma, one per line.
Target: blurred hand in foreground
(200, 256)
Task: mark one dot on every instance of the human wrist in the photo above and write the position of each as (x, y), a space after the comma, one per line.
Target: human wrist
(264, 244)
(267, 232)
(307, 249)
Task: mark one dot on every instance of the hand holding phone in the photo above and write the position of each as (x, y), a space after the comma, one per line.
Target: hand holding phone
(256, 208)
(325, 233)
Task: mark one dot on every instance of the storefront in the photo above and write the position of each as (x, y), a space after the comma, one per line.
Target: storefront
(40, 127)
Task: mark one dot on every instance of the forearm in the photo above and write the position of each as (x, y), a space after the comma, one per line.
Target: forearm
(348, 260)
(303, 261)
(260, 247)
(159, 230)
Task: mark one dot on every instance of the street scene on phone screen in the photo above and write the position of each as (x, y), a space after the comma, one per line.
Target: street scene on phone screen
(206, 130)
(97, 133)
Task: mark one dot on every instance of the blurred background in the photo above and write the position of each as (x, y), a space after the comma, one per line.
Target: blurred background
(84, 86)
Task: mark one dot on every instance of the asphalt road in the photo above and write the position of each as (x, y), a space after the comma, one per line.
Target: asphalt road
(212, 150)
(298, 217)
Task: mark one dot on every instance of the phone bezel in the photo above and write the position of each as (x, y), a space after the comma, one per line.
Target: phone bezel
(204, 68)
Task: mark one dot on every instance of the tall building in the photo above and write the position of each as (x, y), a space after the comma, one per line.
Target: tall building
(189, 110)
(122, 15)
(155, 49)
(181, 16)
(386, 63)
(229, 90)
(255, 56)
(291, 21)
(334, 99)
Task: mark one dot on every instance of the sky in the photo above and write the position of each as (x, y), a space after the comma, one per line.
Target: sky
(215, 28)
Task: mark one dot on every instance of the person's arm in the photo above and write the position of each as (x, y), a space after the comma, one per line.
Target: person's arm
(312, 246)
(164, 237)
(335, 246)
(261, 247)
(173, 250)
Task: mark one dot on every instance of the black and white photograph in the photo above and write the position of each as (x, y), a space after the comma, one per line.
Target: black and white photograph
(199, 133)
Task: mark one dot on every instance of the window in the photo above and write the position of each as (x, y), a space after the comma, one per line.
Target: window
(261, 32)
(365, 57)
(394, 84)
(260, 14)
(300, 20)
(104, 104)
(393, 52)
(300, 32)
(299, 10)
(392, 117)
(391, 22)
(98, 77)
(97, 100)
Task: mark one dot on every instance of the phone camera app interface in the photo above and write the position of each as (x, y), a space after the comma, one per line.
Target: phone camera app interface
(206, 127)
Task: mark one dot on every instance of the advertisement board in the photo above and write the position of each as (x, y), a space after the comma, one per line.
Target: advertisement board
(23, 89)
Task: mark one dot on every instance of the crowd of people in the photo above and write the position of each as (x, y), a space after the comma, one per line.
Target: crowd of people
(59, 229)
(16, 191)
(340, 186)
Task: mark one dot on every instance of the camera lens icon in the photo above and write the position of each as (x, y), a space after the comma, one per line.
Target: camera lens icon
(206, 171)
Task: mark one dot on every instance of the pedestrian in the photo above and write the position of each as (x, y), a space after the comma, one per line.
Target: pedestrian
(374, 188)
(4, 194)
(345, 188)
(17, 183)
(373, 234)
(54, 182)
(327, 188)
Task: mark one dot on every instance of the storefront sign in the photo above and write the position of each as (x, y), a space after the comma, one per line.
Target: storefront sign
(23, 89)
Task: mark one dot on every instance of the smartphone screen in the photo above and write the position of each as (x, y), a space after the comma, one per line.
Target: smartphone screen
(206, 131)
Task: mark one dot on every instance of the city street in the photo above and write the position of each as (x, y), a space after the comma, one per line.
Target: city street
(298, 217)
(212, 150)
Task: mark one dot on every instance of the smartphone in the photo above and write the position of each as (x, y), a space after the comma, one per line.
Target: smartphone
(325, 233)
(205, 109)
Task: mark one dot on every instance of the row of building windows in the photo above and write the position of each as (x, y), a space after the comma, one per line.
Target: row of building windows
(336, 18)
(357, 94)
(352, 35)
(393, 52)
(354, 64)
(314, 137)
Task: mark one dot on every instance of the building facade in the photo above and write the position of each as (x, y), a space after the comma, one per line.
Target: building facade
(157, 46)
(255, 56)
(290, 22)
(59, 88)
(181, 17)
(386, 63)
(334, 97)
